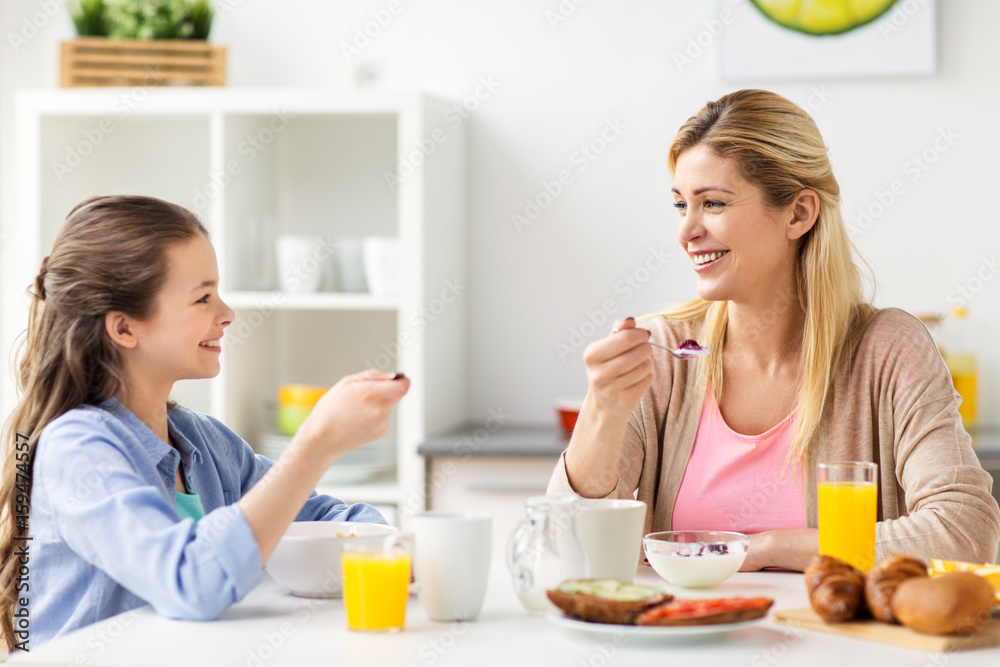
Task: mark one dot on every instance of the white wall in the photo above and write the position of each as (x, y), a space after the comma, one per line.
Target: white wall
(556, 89)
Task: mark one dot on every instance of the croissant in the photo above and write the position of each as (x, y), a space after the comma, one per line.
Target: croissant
(836, 588)
(882, 581)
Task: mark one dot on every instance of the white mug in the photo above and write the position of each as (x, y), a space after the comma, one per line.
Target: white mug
(301, 261)
(381, 255)
(350, 266)
(610, 531)
(451, 562)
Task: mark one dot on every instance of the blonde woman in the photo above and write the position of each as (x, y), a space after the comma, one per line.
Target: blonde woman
(801, 369)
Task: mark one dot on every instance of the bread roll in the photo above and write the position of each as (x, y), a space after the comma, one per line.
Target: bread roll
(883, 579)
(836, 588)
(954, 603)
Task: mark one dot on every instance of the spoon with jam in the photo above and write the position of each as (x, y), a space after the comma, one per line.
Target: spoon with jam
(688, 349)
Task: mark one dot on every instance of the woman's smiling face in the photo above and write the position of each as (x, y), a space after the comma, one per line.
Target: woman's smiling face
(740, 248)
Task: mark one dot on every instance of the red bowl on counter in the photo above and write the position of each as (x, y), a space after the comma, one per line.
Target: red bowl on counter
(568, 412)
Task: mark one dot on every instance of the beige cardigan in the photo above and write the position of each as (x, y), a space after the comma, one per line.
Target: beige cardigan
(894, 404)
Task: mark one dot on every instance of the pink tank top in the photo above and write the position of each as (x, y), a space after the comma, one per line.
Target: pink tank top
(739, 482)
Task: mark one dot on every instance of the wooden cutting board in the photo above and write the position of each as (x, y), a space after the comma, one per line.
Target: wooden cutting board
(877, 631)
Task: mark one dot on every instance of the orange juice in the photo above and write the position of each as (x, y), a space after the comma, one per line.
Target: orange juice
(963, 376)
(375, 589)
(847, 512)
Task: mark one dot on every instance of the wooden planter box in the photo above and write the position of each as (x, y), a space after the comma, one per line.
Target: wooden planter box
(99, 61)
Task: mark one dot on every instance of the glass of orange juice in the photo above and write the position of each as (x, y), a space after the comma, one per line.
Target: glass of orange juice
(848, 497)
(376, 582)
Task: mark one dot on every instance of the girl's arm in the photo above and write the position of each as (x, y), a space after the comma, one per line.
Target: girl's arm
(351, 414)
(100, 493)
(107, 504)
(318, 507)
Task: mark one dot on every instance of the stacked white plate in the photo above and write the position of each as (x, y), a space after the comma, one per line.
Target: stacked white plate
(354, 467)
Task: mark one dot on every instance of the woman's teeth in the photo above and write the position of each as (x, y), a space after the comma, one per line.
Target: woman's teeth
(709, 257)
(210, 343)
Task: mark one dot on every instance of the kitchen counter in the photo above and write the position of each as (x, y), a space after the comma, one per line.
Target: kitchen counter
(549, 441)
(986, 444)
(986, 440)
(531, 453)
(476, 440)
(493, 471)
(271, 628)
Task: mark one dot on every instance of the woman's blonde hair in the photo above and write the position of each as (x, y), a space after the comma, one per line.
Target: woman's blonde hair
(777, 147)
(110, 255)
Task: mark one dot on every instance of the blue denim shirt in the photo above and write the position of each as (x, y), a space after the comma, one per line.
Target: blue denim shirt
(105, 532)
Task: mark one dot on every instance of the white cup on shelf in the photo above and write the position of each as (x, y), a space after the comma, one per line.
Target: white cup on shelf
(330, 271)
(350, 265)
(381, 255)
(255, 270)
(300, 262)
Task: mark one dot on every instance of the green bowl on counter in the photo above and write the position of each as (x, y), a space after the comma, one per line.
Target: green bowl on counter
(295, 402)
(290, 418)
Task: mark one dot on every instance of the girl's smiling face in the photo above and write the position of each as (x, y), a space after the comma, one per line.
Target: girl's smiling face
(739, 247)
(182, 339)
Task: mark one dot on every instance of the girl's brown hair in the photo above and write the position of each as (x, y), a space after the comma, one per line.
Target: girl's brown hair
(110, 255)
(777, 147)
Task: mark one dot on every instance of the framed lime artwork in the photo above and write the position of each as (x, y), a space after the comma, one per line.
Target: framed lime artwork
(820, 39)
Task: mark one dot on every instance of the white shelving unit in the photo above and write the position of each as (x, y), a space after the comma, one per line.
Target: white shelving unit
(254, 164)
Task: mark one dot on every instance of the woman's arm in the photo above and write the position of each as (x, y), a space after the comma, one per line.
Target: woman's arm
(935, 477)
(619, 372)
(949, 511)
(789, 549)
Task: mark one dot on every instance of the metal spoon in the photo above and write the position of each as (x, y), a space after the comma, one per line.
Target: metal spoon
(682, 353)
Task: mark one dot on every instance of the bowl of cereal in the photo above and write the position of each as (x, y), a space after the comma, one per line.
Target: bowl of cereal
(307, 558)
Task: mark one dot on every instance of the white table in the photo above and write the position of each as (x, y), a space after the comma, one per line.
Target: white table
(271, 628)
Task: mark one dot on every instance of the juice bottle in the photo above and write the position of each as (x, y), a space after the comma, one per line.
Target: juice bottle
(847, 513)
(375, 589)
(962, 365)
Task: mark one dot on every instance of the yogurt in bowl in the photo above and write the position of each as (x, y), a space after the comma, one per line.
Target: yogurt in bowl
(695, 558)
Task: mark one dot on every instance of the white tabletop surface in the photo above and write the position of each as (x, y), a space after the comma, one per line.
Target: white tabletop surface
(272, 628)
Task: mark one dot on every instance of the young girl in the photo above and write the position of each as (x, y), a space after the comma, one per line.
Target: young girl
(135, 499)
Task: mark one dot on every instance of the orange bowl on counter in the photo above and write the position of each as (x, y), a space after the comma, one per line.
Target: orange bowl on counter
(306, 395)
(568, 411)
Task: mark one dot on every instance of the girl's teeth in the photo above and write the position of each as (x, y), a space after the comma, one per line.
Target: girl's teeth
(211, 343)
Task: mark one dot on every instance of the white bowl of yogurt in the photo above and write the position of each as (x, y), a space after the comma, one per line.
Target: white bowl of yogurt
(695, 558)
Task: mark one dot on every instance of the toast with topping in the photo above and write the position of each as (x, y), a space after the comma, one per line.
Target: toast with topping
(705, 611)
(605, 600)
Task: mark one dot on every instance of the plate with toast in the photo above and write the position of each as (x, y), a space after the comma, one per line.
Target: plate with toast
(559, 618)
(607, 606)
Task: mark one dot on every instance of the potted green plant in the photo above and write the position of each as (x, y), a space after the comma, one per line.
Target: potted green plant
(148, 42)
